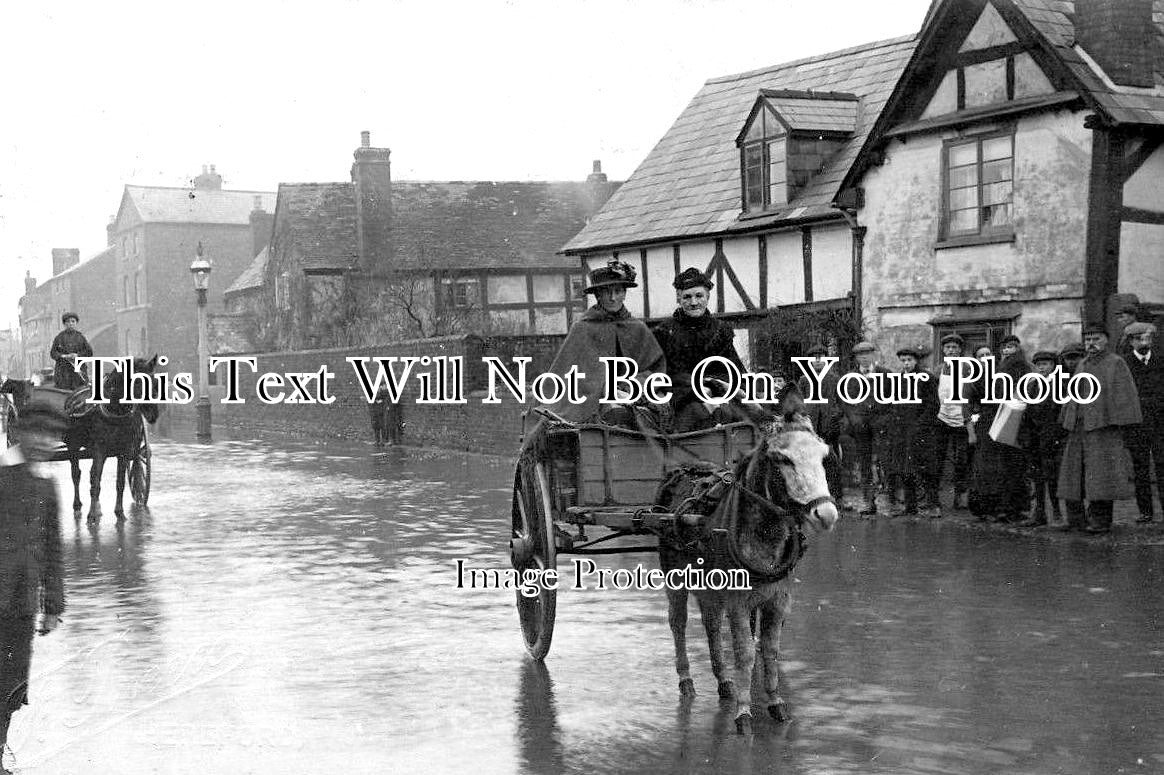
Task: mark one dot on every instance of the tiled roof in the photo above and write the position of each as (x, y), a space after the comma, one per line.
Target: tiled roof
(1054, 19)
(188, 205)
(318, 222)
(440, 224)
(822, 115)
(689, 184)
(479, 225)
(252, 276)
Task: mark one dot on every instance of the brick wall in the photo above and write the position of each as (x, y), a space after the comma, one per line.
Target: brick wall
(473, 426)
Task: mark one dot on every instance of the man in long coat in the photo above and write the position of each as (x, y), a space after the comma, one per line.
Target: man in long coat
(909, 440)
(31, 566)
(1096, 468)
(861, 423)
(66, 347)
(689, 336)
(827, 420)
(1146, 443)
(998, 481)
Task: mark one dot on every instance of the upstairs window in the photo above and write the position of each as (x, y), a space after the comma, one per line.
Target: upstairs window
(460, 294)
(764, 160)
(979, 186)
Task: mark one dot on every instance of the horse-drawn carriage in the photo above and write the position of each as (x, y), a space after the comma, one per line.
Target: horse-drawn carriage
(88, 437)
(740, 494)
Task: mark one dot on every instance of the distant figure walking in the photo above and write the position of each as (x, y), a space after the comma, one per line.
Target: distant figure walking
(30, 557)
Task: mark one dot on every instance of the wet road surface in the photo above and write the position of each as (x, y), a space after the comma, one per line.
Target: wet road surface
(291, 608)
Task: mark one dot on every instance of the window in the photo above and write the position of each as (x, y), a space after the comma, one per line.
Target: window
(137, 299)
(125, 291)
(577, 288)
(979, 186)
(764, 162)
(282, 291)
(460, 294)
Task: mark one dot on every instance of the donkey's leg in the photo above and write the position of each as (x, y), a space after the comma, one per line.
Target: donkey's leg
(677, 619)
(95, 471)
(122, 467)
(75, 465)
(711, 611)
(744, 646)
(772, 615)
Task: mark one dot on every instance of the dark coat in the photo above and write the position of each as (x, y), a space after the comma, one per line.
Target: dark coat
(827, 418)
(600, 334)
(31, 569)
(65, 344)
(998, 481)
(685, 341)
(908, 430)
(1150, 388)
(1096, 464)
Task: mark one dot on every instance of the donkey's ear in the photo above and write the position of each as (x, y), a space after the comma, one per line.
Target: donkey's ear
(152, 363)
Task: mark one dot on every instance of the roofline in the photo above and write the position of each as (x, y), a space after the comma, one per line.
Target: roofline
(192, 188)
(808, 94)
(763, 226)
(818, 58)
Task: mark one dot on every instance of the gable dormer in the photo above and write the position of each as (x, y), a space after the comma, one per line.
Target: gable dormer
(786, 140)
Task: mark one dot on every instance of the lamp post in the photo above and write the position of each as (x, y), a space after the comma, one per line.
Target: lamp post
(200, 269)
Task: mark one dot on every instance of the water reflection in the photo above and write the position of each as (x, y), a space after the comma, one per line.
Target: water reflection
(285, 607)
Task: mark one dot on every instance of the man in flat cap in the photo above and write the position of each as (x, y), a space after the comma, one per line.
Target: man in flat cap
(67, 346)
(1071, 355)
(827, 419)
(1125, 316)
(31, 565)
(1146, 442)
(689, 336)
(909, 440)
(949, 430)
(1043, 441)
(1097, 469)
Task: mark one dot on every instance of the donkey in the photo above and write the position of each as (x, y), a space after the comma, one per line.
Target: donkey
(107, 430)
(782, 497)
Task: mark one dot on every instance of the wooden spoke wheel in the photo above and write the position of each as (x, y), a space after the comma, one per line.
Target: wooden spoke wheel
(140, 471)
(532, 546)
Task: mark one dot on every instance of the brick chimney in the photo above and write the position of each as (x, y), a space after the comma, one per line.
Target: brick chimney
(63, 258)
(29, 282)
(372, 174)
(598, 187)
(1118, 34)
(110, 229)
(209, 180)
(262, 226)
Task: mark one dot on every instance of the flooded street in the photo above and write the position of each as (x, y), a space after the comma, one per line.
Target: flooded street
(293, 608)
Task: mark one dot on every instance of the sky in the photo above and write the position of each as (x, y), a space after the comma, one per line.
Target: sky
(98, 95)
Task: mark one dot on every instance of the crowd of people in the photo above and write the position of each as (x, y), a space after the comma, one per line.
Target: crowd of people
(1085, 455)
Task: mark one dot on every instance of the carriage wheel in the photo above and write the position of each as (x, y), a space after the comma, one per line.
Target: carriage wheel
(532, 546)
(140, 473)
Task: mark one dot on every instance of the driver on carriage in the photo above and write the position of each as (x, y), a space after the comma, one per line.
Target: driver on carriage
(607, 329)
(66, 347)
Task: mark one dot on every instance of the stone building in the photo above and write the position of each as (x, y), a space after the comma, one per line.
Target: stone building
(381, 260)
(155, 236)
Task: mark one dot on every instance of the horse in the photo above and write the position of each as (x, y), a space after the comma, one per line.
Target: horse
(775, 497)
(107, 430)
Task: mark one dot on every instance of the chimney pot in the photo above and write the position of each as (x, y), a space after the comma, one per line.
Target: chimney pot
(258, 202)
(365, 139)
(211, 169)
(597, 165)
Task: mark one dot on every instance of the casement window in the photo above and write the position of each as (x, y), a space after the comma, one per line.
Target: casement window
(460, 294)
(577, 288)
(764, 163)
(978, 181)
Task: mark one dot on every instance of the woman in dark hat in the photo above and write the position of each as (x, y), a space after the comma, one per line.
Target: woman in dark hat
(998, 485)
(67, 346)
(31, 569)
(606, 329)
(689, 336)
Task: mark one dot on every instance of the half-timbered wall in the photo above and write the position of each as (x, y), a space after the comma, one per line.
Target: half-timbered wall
(1141, 269)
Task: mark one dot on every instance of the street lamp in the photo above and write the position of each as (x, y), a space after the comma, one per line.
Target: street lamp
(200, 268)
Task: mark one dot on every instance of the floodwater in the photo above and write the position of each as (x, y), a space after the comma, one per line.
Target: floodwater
(292, 608)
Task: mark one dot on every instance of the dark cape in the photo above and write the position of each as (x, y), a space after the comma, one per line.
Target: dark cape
(998, 475)
(68, 343)
(599, 334)
(686, 341)
(1096, 465)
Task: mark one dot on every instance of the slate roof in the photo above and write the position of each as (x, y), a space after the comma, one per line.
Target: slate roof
(689, 184)
(1054, 20)
(318, 222)
(252, 276)
(188, 205)
(439, 224)
(822, 115)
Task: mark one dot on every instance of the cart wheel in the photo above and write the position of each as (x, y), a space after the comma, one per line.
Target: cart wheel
(532, 546)
(139, 473)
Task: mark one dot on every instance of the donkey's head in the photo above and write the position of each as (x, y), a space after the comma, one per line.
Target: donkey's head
(798, 453)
